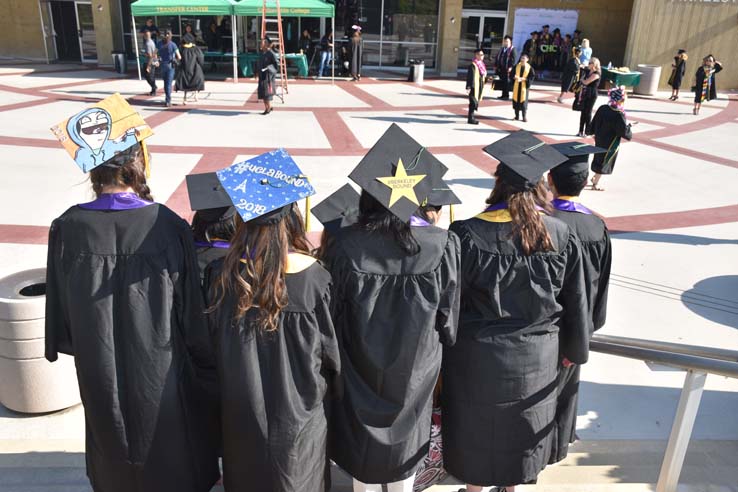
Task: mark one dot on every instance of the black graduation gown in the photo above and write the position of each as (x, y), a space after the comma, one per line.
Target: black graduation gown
(608, 126)
(475, 84)
(520, 101)
(596, 259)
(206, 255)
(266, 89)
(190, 76)
(273, 387)
(569, 75)
(677, 72)
(700, 79)
(356, 48)
(499, 380)
(392, 312)
(123, 297)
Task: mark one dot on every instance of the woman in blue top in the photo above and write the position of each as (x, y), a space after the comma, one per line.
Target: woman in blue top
(586, 53)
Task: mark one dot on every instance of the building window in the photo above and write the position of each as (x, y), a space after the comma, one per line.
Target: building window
(486, 4)
(394, 31)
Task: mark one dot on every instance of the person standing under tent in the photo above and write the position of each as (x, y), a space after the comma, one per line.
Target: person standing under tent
(267, 69)
(326, 53)
(152, 62)
(169, 57)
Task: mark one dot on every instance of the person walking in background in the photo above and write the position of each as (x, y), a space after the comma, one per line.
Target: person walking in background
(570, 75)
(585, 53)
(476, 77)
(504, 63)
(566, 181)
(326, 53)
(150, 27)
(523, 307)
(356, 49)
(609, 126)
(678, 69)
(152, 62)
(705, 86)
(275, 345)
(169, 57)
(267, 69)
(306, 44)
(585, 100)
(190, 77)
(523, 75)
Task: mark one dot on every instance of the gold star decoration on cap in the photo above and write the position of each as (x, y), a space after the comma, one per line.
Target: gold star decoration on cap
(402, 184)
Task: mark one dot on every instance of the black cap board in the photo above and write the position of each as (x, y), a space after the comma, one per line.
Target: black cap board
(578, 158)
(206, 192)
(397, 172)
(339, 210)
(441, 193)
(524, 159)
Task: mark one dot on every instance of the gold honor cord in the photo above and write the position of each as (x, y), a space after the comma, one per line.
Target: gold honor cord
(451, 213)
(147, 165)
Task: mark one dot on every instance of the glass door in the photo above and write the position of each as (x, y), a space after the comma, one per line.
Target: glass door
(470, 39)
(480, 28)
(86, 31)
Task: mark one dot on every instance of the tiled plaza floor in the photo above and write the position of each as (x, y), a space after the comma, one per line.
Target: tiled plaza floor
(671, 204)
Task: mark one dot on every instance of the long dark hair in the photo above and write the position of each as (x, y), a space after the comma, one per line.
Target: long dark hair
(209, 230)
(373, 216)
(255, 266)
(527, 224)
(125, 169)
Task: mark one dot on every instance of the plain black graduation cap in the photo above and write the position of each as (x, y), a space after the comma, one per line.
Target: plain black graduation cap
(441, 194)
(577, 154)
(524, 158)
(339, 210)
(208, 197)
(397, 172)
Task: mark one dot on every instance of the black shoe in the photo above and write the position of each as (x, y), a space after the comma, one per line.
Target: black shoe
(473, 122)
(525, 120)
(153, 92)
(504, 98)
(517, 117)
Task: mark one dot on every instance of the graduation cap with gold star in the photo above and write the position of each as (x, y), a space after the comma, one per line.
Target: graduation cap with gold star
(397, 172)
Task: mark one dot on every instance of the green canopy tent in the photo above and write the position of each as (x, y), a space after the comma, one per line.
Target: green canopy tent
(297, 8)
(151, 8)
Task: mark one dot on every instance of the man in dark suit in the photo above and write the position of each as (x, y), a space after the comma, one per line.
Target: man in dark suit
(504, 63)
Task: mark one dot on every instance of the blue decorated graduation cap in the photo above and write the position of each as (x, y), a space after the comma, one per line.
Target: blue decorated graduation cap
(577, 154)
(339, 210)
(524, 159)
(397, 172)
(264, 188)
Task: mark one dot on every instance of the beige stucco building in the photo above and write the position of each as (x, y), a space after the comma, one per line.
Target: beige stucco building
(443, 33)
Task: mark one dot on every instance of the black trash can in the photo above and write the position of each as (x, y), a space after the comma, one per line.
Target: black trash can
(120, 62)
(417, 71)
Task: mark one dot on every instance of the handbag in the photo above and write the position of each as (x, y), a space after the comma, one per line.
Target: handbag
(431, 470)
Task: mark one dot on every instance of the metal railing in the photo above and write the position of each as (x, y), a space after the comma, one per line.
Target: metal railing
(698, 362)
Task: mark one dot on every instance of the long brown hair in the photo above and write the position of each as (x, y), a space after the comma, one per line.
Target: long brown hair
(255, 266)
(125, 169)
(527, 224)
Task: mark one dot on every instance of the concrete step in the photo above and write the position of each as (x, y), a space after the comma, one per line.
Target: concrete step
(28, 465)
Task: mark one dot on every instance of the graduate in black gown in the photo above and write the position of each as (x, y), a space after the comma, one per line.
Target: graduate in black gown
(340, 209)
(214, 222)
(476, 77)
(266, 69)
(678, 70)
(522, 75)
(566, 182)
(275, 346)
(357, 45)
(523, 305)
(123, 297)
(395, 301)
(609, 127)
(705, 88)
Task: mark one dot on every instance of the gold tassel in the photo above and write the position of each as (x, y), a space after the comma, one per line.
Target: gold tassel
(147, 166)
(307, 213)
(451, 213)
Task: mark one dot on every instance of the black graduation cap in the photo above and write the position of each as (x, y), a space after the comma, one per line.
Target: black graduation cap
(206, 192)
(523, 158)
(397, 172)
(578, 157)
(680, 51)
(441, 193)
(339, 210)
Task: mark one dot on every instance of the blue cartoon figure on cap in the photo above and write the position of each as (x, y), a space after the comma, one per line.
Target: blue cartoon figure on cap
(90, 129)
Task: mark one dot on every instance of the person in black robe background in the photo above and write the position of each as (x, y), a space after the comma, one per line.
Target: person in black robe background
(609, 126)
(523, 76)
(123, 297)
(504, 63)
(190, 77)
(705, 88)
(566, 181)
(274, 378)
(678, 70)
(476, 77)
(266, 69)
(570, 75)
(523, 303)
(585, 99)
(395, 301)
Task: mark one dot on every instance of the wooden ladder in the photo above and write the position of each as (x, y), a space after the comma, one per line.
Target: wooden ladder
(277, 38)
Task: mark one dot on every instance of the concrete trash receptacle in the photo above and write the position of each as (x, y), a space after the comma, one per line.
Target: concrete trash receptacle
(120, 61)
(649, 84)
(29, 383)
